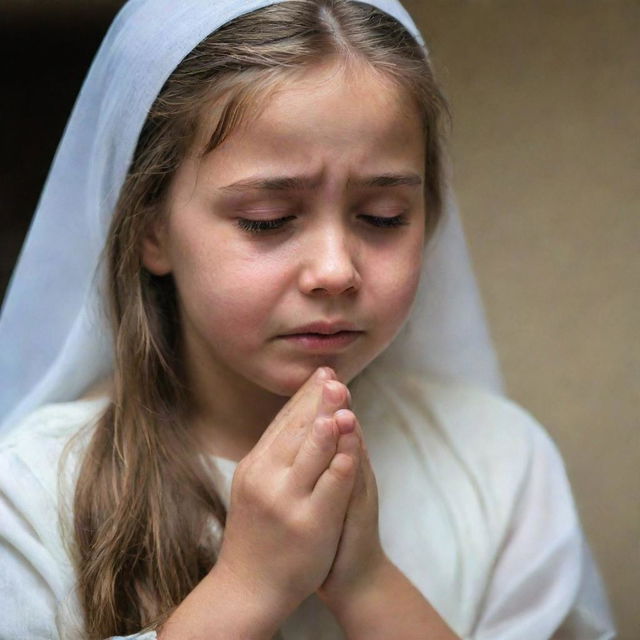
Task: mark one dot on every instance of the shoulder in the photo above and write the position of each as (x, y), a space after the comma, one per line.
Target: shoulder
(31, 452)
(484, 422)
(35, 517)
(482, 436)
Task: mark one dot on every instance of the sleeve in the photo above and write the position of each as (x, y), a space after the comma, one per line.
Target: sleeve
(545, 585)
(31, 581)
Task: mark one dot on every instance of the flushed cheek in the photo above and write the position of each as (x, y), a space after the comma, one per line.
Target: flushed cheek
(394, 294)
(239, 302)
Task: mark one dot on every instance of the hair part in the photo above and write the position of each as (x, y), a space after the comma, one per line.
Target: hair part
(145, 499)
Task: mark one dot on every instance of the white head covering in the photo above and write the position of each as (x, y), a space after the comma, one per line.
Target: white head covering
(54, 340)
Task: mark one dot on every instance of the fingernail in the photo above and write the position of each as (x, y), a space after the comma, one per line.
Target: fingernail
(325, 373)
(333, 390)
(344, 420)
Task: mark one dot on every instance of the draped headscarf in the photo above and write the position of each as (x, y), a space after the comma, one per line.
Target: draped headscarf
(54, 337)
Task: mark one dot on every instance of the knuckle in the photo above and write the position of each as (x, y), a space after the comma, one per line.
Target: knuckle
(314, 450)
(297, 524)
(322, 433)
(339, 475)
(343, 470)
(270, 507)
(316, 447)
(261, 496)
(249, 482)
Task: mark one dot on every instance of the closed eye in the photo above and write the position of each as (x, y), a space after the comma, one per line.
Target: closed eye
(388, 223)
(262, 226)
(259, 226)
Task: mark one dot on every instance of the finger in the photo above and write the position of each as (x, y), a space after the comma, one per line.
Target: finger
(347, 422)
(306, 397)
(335, 396)
(335, 485)
(287, 442)
(315, 454)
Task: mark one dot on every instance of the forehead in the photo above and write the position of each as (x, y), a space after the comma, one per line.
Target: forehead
(329, 117)
(335, 90)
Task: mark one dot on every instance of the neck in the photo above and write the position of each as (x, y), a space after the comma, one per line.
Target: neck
(230, 412)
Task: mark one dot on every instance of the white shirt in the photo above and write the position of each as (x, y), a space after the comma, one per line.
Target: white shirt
(475, 509)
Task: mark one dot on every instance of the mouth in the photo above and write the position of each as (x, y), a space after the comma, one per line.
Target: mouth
(325, 327)
(315, 341)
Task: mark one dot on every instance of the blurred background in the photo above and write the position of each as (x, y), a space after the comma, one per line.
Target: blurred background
(545, 98)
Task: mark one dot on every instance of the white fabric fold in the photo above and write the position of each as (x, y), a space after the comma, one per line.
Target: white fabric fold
(484, 525)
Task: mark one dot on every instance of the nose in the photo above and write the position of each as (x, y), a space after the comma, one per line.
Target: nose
(329, 263)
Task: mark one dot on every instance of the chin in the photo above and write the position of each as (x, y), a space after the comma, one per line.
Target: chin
(292, 378)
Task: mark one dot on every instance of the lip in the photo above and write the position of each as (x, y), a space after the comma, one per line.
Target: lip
(322, 343)
(324, 327)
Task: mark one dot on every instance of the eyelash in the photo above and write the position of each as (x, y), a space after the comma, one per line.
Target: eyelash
(259, 226)
(262, 226)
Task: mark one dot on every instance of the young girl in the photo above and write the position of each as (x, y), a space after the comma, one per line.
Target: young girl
(296, 426)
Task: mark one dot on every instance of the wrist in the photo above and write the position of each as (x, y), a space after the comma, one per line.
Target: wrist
(223, 606)
(360, 591)
(262, 609)
(388, 605)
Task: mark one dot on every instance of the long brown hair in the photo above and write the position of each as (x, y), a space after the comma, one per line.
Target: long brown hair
(145, 499)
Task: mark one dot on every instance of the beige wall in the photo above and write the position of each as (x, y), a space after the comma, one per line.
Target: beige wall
(546, 147)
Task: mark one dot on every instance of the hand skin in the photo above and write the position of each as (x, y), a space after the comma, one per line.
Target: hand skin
(274, 554)
(389, 606)
(369, 596)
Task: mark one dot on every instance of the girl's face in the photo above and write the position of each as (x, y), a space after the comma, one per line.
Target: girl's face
(311, 213)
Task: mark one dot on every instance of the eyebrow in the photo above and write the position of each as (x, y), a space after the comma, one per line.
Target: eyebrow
(301, 183)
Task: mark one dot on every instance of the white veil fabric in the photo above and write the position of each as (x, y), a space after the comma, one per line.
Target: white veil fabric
(54, 338)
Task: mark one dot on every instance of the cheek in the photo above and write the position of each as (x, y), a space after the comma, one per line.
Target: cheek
(223, 292)
(396, 284)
